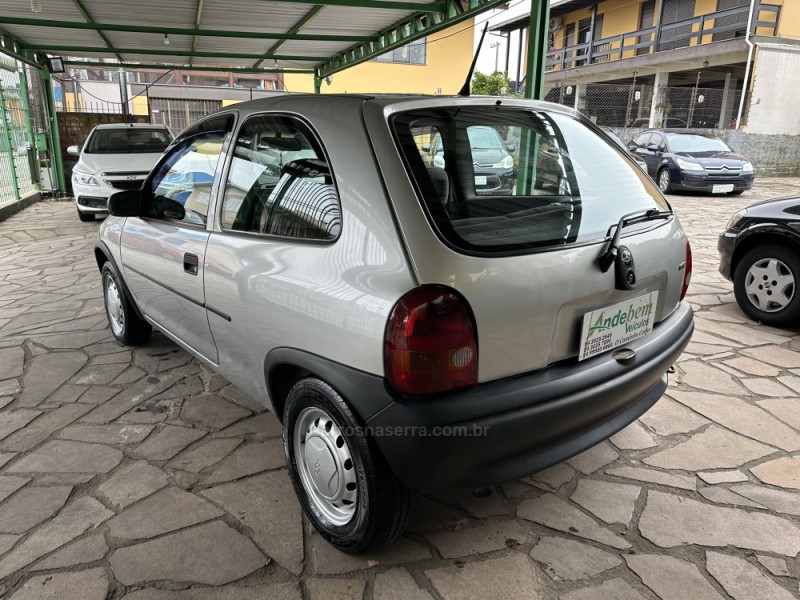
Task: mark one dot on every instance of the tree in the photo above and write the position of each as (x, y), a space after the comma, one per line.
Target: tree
(495, 84)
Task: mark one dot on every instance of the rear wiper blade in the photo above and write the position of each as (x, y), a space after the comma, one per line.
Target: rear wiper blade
(609, 254)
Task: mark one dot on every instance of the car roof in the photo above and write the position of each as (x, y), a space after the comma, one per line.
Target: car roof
(683, 132)
(130, 126)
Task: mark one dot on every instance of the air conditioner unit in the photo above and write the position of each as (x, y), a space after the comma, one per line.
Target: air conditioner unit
(556, 23)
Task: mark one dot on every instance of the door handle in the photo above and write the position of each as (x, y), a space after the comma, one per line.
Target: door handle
(190, 263)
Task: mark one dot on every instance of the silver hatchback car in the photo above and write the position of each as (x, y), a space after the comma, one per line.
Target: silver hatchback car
(410, 330)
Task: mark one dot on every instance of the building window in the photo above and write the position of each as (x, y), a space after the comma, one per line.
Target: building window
(409, 54)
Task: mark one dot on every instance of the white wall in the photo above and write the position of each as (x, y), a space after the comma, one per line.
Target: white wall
(773, 106)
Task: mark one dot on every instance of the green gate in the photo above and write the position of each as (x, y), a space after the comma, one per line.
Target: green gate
(19, 165)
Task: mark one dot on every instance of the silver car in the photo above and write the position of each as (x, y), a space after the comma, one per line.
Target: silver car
(408, 331)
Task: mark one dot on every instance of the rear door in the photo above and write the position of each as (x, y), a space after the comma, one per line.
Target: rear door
(163, 252)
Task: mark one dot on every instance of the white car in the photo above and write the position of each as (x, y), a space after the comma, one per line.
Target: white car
(115, 157)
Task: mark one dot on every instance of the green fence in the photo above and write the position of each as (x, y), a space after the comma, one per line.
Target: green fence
(19, 170)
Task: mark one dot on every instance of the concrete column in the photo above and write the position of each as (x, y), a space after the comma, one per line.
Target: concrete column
(723, 107)
(660, 83)
(577, 92)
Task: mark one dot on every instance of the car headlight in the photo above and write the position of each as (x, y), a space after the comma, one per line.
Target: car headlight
(689, 166)
(747, 167)
(734, 220)
(505, 163)
(84, 178)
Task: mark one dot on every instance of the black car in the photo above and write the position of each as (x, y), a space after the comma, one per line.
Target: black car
(636, 158)
(760, 252)
(692, 161)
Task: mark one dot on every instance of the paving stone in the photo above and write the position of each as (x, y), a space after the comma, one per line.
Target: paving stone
(742, 580)
(213, 554)
(116, 357)
(714, 477)
(723, 496)
(206, 455)
(91, 584)
(513, 577)
(515, 489)
(85, 551)
(216, 382)
(714, 448)
(128, 376)
(98, 374)
(777, 500)
(336, 589)
(235, 394)
(397, 584)
(167, 442)
(66, 394)
(98, 394)
(776, 566)
(265, 424)
(705, 377)
(633, 437)
(29, 507)
(270, 591)
(9, 387)
(43, 427)
(134, 482)
(762, 386)
(7, 542)
(610, 502)
(268, 506)
(327, 560)
(11, 362)
(248, 460)
(782, 472)
(652, 476)
(780, 356)
(153, 411)
(752, 366)
(10, 484)
(47, 373)
(744, 334)
(185, 388)
(486, 537)
(480, 503)
(668, 417)
(212, 411)
(77, 518)
(671, 578)
(111, 433)
(551, 511)
(614, 589)
(16, 419)
(68, 457)
(430, 516)
(669, 520)
(567, 559)
(164, 511)
(791, 381)
(594, 458)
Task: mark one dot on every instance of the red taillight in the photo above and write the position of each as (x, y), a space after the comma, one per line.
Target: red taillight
(430, 345)
(687, 273)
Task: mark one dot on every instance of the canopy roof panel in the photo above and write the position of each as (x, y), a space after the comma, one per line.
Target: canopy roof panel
(319, 36)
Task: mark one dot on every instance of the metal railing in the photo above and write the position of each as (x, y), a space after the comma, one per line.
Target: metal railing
(664, 37)
(18, 159)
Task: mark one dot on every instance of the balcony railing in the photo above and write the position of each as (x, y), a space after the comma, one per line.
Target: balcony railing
(665, 37)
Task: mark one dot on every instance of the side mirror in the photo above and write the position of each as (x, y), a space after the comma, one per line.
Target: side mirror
(653, 147)
(511, 147)
(74, 150)
(162, 207)
(125, 204)
(426, 148)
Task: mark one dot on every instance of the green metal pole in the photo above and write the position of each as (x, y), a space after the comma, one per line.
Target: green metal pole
(317, 85)
(52, 119)
(7, 136)
(537, 49)
(23, 95)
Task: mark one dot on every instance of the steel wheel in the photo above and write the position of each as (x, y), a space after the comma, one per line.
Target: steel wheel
(116, 314)
(663, 180)
(769, 285)
(325, 465)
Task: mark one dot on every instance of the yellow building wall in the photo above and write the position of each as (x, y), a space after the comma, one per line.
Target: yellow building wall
(448, 57)
(789, 20)
(139, 105)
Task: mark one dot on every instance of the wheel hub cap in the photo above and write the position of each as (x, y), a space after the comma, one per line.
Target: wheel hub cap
(769, 285)
(325, 465)
(116, 316)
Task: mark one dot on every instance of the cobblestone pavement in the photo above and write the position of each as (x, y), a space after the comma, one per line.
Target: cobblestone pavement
(138, 474)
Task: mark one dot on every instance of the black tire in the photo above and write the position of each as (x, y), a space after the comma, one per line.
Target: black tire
(130, 329)
(786, 266)
(382, 504)
(85, 217)
(665, 189)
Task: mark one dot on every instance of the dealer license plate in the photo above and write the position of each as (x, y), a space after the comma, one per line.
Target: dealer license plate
(722, 188)
(480, 179)
(612, 326)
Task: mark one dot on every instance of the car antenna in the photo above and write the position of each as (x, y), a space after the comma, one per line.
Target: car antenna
(465, 89)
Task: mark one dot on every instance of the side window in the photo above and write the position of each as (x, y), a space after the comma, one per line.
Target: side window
(659, 141)
(642, 140)
(186, 178)
(280, 183)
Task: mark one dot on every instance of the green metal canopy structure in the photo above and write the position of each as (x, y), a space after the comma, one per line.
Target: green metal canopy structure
(318, 37)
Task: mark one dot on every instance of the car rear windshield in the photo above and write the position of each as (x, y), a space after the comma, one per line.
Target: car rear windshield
(685, 142)
(130, 140)
(551, 182)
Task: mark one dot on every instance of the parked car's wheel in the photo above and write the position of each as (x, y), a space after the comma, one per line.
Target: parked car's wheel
(85, 217)
(343, 482)
(765, 284)
(125, 324)
(663, 180)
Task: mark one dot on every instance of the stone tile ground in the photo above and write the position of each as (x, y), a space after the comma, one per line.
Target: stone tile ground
(141, 475)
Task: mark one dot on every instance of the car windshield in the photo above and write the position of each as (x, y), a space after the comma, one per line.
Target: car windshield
(484, 138)
(682, 142)
(128, 140)
(560, 184)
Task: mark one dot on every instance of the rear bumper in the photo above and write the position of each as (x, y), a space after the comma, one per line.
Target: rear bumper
(506, 429)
